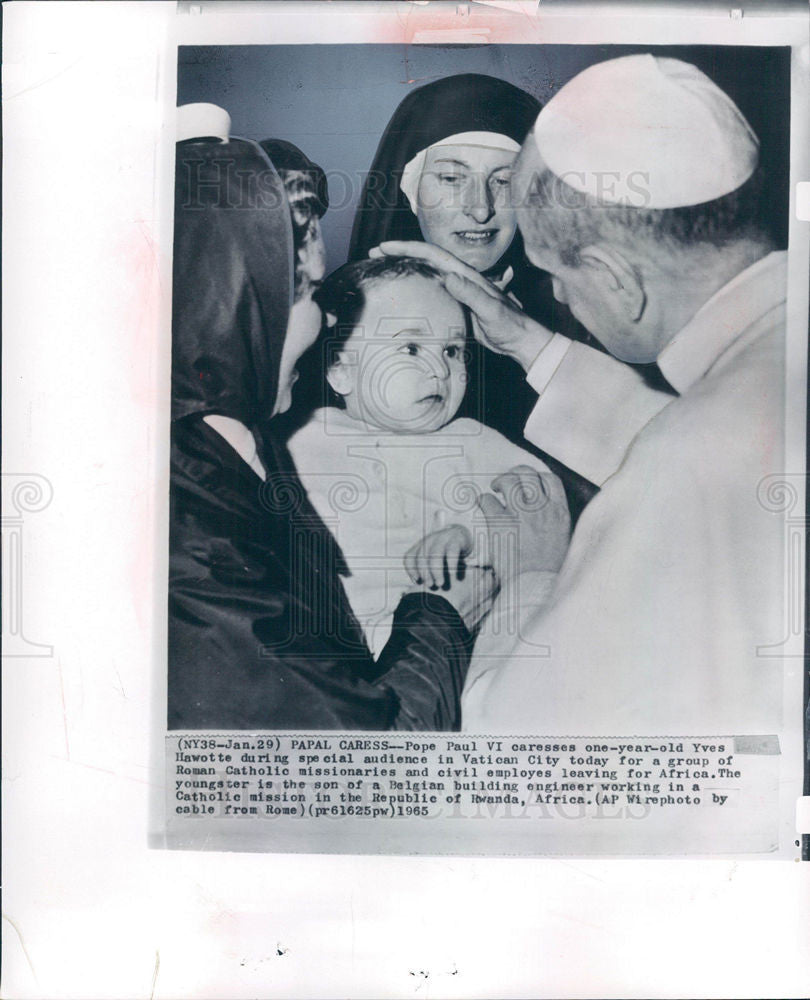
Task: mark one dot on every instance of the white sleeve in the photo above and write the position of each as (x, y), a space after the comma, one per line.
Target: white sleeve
(590, 407)
(503, 454)
(547, 362)
(519, 602)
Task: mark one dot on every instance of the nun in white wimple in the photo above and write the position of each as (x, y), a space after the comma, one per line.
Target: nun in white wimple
(441, 171)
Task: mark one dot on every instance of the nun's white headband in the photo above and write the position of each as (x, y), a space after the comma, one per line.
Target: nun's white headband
(409, 184)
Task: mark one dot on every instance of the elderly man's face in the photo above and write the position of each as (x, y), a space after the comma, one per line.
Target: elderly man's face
(588, 289)
(593, 287)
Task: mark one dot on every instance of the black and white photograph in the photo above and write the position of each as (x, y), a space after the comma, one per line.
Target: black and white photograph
(517, 490)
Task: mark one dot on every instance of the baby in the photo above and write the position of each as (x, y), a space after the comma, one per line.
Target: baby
(388, 464)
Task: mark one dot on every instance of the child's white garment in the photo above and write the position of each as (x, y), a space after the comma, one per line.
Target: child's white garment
(380, 493)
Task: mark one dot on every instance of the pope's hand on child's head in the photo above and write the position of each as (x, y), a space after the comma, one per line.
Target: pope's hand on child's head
(528, 522)
(498, 321)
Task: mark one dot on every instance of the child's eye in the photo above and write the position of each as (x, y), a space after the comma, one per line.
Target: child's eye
(453, 351)
(412, 349)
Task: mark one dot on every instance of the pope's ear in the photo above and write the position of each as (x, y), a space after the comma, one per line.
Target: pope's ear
(618, 278)
(339, 375)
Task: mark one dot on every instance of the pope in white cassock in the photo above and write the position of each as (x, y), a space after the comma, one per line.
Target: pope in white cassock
(639, 191)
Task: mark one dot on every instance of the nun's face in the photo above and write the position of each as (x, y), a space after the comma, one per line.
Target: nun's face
(463, 202)
(303, 328)
(304, 323)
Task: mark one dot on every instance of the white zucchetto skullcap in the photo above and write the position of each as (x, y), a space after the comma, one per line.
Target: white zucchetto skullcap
(202, 121)
(647, 132)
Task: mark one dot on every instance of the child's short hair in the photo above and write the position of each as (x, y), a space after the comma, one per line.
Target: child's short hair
(341, 294)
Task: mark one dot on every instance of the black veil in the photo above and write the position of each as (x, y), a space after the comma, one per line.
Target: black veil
(233, 280)
(468, 102)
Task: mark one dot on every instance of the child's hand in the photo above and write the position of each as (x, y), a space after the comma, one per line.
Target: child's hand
(439, 558)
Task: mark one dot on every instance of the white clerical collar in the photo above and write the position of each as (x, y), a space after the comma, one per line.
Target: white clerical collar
(718, 323)
(239, 438)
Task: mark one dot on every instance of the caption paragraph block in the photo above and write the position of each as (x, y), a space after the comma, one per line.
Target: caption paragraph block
(240, 776)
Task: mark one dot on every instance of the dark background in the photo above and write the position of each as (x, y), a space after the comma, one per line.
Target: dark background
(334, 101)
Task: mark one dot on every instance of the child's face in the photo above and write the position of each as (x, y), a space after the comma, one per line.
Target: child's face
(403, 367)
